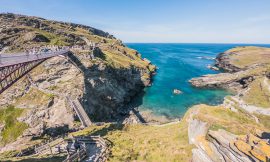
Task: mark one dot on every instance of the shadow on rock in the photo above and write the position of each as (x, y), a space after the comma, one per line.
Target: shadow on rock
(108, 89)
(104, 131)
(56, 131)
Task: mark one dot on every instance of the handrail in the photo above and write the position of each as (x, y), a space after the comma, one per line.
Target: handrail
(77, 156)
(79, 111)
(48, 145)
(33, 147)
(101, 157)
(8, 59)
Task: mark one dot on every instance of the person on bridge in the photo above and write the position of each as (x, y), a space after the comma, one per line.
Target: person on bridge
(68, 151)
(77, 145)
(58, 149)
(27, 53)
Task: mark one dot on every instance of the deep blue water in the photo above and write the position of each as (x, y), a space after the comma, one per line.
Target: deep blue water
(177, 64)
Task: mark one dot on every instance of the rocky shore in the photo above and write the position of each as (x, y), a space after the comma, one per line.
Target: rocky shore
(106, 78)
(237, 130)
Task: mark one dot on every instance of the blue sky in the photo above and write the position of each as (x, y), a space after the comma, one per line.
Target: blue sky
(183, 21)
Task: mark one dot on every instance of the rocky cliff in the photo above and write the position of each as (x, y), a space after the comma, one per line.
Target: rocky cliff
(237, 130)
(104, 78)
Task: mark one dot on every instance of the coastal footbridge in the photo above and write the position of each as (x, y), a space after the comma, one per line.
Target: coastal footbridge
(15, 66)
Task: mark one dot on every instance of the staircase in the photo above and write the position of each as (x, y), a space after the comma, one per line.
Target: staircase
(76, 105)
(48, 147)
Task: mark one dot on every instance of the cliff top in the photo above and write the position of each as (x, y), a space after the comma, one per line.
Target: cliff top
(103, 75)
(243, 57)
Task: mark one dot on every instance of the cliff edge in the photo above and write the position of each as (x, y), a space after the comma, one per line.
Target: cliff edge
(105, 77)
(237, 130)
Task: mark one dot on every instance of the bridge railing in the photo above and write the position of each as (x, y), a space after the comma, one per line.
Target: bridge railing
(78, 156)
(76, 105)
(13, 59)
(102, 156)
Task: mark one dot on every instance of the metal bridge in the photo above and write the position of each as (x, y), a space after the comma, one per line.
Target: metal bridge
(15, 66)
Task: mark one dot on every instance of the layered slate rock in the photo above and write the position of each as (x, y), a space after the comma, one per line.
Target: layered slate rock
(238, 130)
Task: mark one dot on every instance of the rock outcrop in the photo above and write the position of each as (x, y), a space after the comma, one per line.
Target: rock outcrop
(103, 77)
(244, 65)
(235, 129)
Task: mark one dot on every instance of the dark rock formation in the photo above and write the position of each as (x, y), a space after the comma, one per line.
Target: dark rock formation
(104, 77)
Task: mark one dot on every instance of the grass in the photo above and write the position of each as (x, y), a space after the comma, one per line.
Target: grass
(5, 155)
(54, 87)
(258, 94)
(246, 56)
(145, 143)
(235, 122)
(264, 119)
(118, 61)
(216, 127)
(35, 158)
(54, 39)
(13, 128)
(34, 97)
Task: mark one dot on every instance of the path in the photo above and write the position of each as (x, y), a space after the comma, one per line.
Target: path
(18, 58)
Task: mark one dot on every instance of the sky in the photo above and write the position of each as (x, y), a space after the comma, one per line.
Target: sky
(159, 21)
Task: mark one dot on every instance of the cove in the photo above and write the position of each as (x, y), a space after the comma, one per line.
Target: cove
(178, 63)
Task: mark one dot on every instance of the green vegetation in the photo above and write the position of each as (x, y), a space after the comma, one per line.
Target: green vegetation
(51, 96)
(216, 127)
(54, 87)
(264, 119)
(34, 97)
(167, 142)
(12, 127)
(7, 157)
(119, 60)
(234, 122)
(8, 154)
(250, 55)
(54, 39)
(258, 94)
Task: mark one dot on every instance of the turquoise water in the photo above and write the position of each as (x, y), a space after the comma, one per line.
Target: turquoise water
(177, 64)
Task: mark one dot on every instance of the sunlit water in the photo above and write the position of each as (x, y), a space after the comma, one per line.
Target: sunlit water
(177, 64)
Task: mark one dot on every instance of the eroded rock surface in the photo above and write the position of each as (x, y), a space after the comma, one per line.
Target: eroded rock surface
(104, 77)
(232, 133)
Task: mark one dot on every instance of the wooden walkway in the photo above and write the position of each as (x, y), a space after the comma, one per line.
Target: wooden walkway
(76, 105)
(95, 149)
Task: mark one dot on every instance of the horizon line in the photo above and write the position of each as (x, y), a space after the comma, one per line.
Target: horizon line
(192, 43)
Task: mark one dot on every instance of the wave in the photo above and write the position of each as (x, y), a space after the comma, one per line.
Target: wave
(199, 51)
(205, 57)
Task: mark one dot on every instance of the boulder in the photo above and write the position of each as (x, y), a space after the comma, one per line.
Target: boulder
(35, 37)
(212, 67)
(177, 91)
(196, 128)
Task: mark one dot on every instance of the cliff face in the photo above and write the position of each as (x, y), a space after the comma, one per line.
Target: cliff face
(241, 58)
(104, 79)
(242, 64)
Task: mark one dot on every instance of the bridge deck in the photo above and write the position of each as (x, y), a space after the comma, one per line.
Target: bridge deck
(12, 59)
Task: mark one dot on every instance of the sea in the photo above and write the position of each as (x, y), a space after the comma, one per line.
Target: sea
(177, 64)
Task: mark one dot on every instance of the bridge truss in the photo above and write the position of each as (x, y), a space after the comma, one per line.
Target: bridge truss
(11, 74)
(14, 67)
